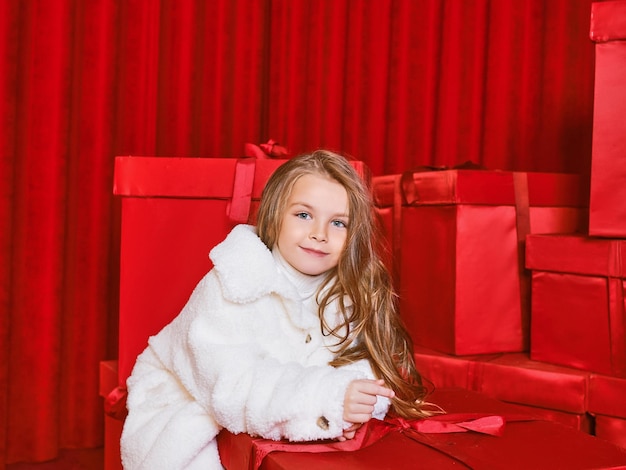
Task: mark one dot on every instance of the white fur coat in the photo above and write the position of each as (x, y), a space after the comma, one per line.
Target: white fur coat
(244, 355)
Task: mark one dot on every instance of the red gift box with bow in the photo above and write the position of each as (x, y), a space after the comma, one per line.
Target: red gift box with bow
(607, 205)
(174, 210)
(479, 432)
(578, 314)
(457, 238)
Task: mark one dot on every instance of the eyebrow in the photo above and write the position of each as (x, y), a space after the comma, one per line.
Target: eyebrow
(310, 207)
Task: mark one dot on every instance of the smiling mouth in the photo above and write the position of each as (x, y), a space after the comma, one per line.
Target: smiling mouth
(311, 251)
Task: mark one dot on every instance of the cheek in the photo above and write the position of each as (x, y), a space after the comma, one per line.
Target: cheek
(341, 241)
(284, 230)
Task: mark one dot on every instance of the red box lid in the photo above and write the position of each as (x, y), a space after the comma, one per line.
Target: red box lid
(482, 187)
(608, 21)
(184, 176)
(576, 254)
(192, 177)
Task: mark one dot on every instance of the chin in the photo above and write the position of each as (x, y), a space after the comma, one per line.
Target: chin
(313, 272)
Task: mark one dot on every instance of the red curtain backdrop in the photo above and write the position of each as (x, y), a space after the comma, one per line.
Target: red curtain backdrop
(396, 83)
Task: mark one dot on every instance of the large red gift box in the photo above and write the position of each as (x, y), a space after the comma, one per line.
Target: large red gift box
(458, 238)
(525, 443)
(546, 391)
(173, 212)
(607, 402)
(607, 205)
(578, 315)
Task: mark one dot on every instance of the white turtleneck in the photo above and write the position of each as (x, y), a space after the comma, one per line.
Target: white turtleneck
(306, 285)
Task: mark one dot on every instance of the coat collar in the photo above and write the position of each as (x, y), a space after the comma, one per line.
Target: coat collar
(248, 271)
(246, 268)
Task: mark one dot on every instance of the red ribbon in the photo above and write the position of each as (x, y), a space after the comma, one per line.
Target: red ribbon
(115, 403)
(492, 425)
(374, 430)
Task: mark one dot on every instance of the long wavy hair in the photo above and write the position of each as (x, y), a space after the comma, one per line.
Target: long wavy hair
(371, 327)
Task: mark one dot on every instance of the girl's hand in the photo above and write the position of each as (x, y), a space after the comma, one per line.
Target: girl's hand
(349, 432)
(360, 398)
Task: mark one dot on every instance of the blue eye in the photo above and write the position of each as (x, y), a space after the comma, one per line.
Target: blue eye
(303, 215)
(339, 224)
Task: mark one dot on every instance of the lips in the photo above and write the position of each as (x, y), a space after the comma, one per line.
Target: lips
(314, 252)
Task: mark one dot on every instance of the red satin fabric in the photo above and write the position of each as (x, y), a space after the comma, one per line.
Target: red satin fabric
(607, 209)
(585, 278)
(547, 391)
(606, 395)
(374, 430)
(611, 429)
(394, 83)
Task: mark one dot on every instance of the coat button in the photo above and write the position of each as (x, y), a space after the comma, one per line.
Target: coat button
(322, 422)
(308, 339)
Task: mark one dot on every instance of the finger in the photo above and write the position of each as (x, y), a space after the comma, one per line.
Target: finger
(359, 418)
(354, 427)
(386, 392)
(360, 408)
(376, 388)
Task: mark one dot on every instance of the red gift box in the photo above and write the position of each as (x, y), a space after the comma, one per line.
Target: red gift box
(607, 395)
(517, 379)
(524, 444)
(546, 391)
(174, 211)
(552, 392)
(611, 429)
(458, 238)
(578, 316)
(445, 371)
(607, 402)
(607, 205)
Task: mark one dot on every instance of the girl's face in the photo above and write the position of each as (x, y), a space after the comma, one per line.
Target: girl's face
(315, 225)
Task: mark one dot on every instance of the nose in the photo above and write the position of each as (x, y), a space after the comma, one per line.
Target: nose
(318, 233)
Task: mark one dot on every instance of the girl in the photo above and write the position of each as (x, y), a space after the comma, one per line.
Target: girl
(293, 334)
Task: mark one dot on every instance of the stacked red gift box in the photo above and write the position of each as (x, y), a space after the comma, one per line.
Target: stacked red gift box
(508, 285)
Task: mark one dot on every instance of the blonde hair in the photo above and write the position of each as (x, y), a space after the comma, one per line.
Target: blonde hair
(360, 275)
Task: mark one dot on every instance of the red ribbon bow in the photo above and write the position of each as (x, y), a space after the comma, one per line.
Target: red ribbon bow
(492, 425)
(115, 403)
(271, 149)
